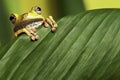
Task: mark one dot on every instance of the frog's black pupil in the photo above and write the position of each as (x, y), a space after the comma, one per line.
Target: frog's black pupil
(38, 9)
(11, 18)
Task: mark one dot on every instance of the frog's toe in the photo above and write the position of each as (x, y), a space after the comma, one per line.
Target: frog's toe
(46, 25)
(53, 29)
(33, 38)
(55, 25)
(36, 37)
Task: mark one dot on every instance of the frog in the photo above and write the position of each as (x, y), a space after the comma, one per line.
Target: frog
(29, 22)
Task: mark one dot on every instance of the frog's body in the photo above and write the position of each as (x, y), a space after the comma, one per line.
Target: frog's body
(28, 22)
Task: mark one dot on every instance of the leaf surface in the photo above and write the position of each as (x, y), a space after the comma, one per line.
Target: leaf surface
(86, 46)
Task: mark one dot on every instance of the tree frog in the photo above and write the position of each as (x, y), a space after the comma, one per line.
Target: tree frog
(29, 22)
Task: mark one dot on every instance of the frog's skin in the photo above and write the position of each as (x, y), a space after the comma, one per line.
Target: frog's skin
(28, 22)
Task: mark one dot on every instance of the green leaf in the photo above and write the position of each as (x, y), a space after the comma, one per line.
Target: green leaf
(86, 46)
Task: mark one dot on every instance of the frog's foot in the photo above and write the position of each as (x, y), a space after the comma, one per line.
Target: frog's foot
(52, 23)
(33, 36)
(36, 37)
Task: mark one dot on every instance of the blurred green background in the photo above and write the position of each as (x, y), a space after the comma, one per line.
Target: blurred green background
(56, 8)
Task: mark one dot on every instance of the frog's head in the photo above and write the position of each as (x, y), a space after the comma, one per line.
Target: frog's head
(33, 17)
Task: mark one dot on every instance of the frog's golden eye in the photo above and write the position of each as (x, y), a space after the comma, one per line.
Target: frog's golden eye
(37, 9)
(12, 18)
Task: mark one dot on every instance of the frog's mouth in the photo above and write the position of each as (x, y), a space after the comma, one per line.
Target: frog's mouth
(33, 23)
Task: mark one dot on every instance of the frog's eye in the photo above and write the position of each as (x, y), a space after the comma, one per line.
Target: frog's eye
(12, 18)
(37, 9)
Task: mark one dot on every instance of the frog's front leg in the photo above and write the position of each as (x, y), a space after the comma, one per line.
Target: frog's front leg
(33, 36)
(32, 32)
(50, 21)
